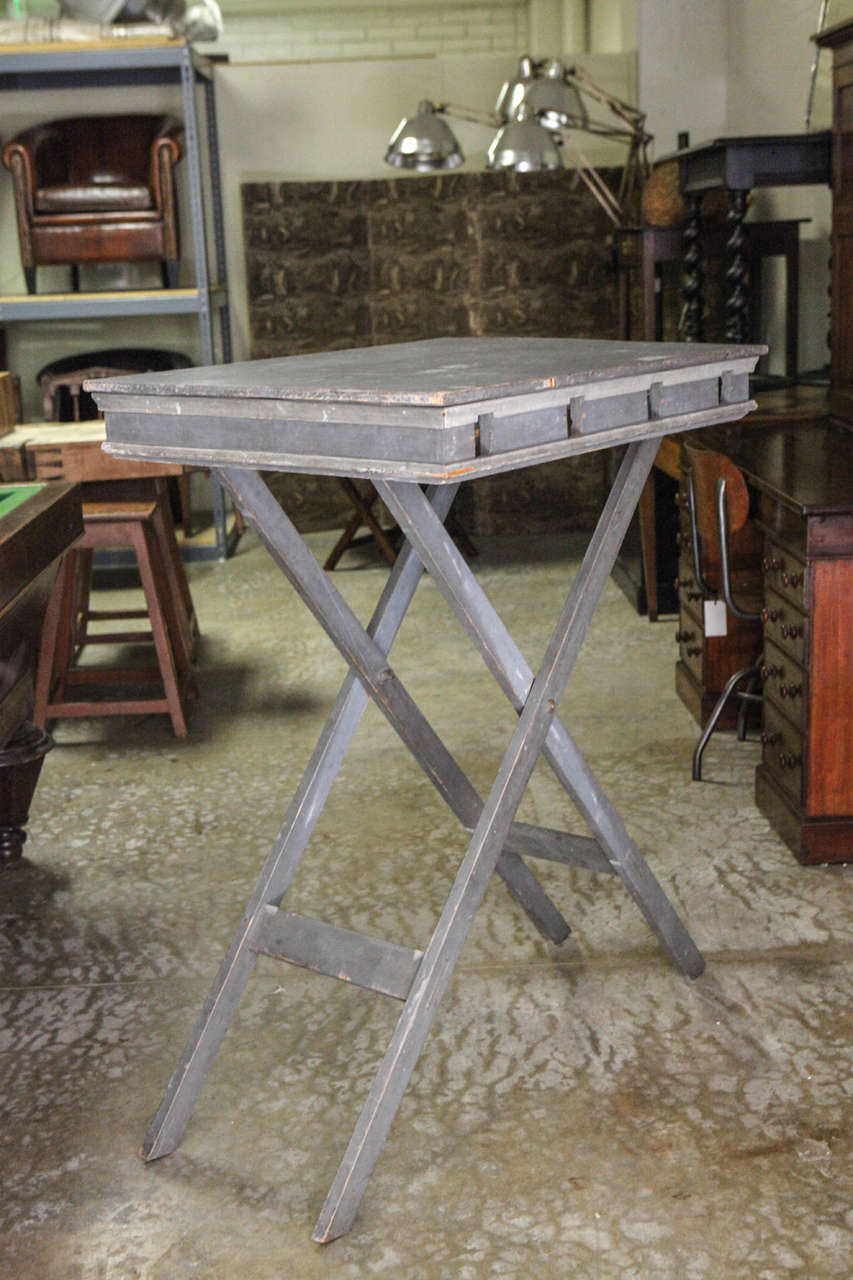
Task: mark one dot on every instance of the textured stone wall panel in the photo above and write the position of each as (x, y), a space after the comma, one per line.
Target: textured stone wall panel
(554, 498)
(344, 264)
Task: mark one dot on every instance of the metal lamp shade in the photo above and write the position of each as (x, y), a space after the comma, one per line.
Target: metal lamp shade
(424, 142)
(525, 146)
(513, 92)
(556, 103)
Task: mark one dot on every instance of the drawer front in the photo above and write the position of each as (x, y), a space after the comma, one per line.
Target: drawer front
(784, 682)
(691, 644)
(784, 626)
(782, 752)
(785, 574)
(688, 592)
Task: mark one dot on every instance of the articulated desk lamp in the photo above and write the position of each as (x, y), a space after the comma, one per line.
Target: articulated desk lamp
(535, 115)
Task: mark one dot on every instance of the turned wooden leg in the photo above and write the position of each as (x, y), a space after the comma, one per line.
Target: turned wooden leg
(20, 766)
(692, 276)
(737, 275)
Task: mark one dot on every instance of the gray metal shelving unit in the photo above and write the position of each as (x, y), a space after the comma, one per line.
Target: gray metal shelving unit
(114, 64)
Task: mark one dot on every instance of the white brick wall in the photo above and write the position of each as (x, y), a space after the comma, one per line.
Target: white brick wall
(375, 31)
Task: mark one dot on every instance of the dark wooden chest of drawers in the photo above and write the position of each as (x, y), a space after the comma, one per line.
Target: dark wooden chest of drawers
(802, 481)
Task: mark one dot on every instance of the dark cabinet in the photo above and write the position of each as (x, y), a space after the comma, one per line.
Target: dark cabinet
(801, 478)
(839, 39)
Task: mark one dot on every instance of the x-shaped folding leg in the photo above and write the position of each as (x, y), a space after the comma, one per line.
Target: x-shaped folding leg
(362, 515)
(420, 979)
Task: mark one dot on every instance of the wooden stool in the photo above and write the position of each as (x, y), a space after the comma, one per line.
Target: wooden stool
(144, 525)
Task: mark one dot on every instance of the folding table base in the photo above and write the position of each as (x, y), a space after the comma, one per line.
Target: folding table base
(498, 842)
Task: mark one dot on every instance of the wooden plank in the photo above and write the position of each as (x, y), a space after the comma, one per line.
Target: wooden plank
(438, 372)
(498, 434)
(413, 472)
(111, 46)
(78, 461)
(267, 436)
(558, 846)
(338, 953)
(607, 412)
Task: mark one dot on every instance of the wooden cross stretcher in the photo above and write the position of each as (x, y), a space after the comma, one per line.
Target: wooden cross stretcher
(425, 414)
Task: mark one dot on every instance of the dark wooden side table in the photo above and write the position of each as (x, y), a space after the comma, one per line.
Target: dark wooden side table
(738, 165)
(646, 249)
(433, 413)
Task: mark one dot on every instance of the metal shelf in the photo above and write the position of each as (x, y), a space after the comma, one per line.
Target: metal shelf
(66, 65)
(83, 306)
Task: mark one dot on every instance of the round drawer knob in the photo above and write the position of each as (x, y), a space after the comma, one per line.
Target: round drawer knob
(769, 615)
(770, 564)
(791, 633)
(767, 672)
(693, 650)
(791, 579)
(787, 760)
(768, 739)
(790, 690)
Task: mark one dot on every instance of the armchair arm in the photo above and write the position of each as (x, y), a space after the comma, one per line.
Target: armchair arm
(166, 150)
(34, 158)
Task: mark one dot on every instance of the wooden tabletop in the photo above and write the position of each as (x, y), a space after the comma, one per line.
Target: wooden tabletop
(807, 466)
(435, 372)
(432, 411)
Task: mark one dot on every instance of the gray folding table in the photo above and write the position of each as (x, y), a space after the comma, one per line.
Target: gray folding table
(418, 419)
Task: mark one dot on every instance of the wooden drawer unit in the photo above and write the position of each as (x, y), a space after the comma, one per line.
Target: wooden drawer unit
(784, 625)
(800, 477)
(804, 783)
(785, 573)
(784, 683)
(782, 752)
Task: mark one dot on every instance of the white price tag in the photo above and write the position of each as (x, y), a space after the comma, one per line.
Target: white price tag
(716, 618)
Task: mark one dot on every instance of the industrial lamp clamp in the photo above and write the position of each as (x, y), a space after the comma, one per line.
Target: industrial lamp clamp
(537, 116)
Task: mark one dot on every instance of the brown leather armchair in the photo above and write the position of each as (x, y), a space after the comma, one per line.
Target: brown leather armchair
(97, 189)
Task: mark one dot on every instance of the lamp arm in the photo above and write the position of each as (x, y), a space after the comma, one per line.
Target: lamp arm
(628, 136)
(633, 117)
(471, 114)
(599, 188)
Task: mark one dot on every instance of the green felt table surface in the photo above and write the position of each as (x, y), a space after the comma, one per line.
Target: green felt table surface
(12, 496)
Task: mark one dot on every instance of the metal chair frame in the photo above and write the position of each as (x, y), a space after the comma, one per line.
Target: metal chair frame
(750, 675)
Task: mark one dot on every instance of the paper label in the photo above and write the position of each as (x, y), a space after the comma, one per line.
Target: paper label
(716, 618)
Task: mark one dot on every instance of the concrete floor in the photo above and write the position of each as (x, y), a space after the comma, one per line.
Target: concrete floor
(580, 1111)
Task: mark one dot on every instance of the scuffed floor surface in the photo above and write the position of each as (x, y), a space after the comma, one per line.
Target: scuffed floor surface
(580, 1111)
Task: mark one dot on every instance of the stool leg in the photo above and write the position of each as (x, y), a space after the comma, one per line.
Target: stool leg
(58, 612)
(172, 600)
(82, 592)
(176, 574)
(142, 538)
(186, 500)
(164, 528)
